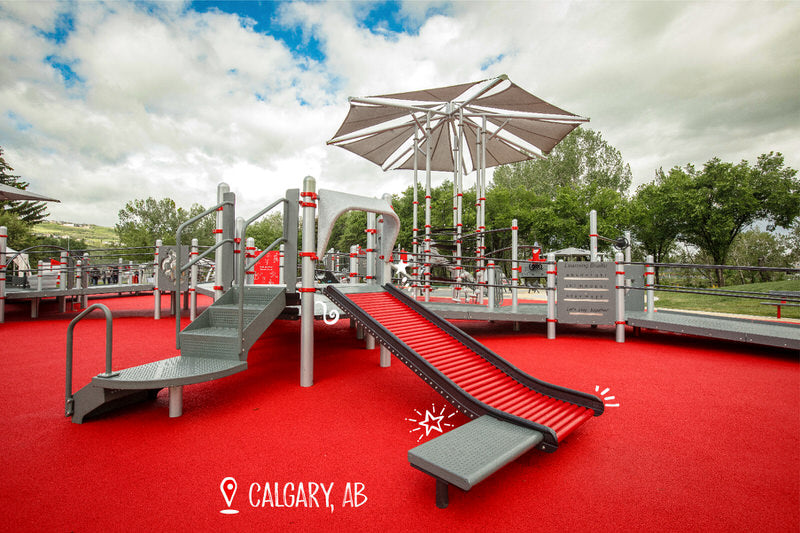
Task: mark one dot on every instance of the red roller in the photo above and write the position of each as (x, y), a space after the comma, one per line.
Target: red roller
(563, 431)
(525, 410)
(495, 399)
(505, 387)
(566, 412)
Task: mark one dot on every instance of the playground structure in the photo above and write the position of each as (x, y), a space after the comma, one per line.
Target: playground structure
(508, 406)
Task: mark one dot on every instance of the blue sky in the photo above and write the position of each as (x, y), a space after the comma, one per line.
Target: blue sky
(105, 102)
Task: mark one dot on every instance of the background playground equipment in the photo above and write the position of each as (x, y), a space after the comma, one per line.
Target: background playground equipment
(76, 275)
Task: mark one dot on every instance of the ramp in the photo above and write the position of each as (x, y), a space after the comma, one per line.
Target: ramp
(210, 349)
(467, 374)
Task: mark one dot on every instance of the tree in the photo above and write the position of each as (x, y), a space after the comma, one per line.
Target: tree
(722, 199)
(583, 157)
(654, 215)
(29, 213)
(141, 222)
(757, 248)
(266, 230)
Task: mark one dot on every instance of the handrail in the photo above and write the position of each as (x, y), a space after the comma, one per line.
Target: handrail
(69, 406)
(242, 261)
(179, 269)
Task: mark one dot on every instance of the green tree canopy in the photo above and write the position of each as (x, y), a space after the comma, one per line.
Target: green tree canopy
(29, 213)
(142, 221)
(582, 158)
(719, 201)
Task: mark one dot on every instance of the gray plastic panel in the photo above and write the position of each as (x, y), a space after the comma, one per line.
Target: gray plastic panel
(469, 454)
(171, 372)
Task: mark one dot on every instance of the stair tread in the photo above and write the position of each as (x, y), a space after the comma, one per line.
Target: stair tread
(180, 370)
(214, 331)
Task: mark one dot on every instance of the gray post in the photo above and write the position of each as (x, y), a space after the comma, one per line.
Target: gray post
(551, 295)
(354, 264)
(282, 266)
(426, 267)
(414, 267)
(219, 256)
(250, 275)
(175, 401)
(156, 290)
(193, 282)
(649, 281)
(38, 275)
(620, 321)
(371, 230)
(290, 223)
(490, 276)
(307, 284)
(239, 259)
(3, 269)
(593, 236)
(85, 277)
(63, 276)
(514, 265)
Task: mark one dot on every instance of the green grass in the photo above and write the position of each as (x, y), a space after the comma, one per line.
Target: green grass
(95, 236)
(727, 304)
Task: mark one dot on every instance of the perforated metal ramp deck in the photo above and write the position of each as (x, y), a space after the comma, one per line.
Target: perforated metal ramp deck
(470, 376)
(753, 331)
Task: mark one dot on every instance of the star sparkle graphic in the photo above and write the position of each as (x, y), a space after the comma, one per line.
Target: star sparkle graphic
(430, 421)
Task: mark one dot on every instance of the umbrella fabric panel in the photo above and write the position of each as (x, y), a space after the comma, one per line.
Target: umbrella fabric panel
(364, 116)
(440, 94)
(378, 147)
(515, 98)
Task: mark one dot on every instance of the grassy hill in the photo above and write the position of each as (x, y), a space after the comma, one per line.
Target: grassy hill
(95, 236)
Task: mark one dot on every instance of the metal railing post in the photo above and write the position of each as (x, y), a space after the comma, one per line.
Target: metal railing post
(551, 295)
(649, 281)
(620, 287)
(307, 283)
(69, 402)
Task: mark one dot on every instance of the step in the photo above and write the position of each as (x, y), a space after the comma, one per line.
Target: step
(211, 342)
(469, 454)
(175, 371)
(227, 315)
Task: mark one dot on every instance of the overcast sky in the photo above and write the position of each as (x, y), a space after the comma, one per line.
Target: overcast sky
(102, 103)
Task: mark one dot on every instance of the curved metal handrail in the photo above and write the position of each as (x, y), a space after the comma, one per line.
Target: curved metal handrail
(69, 406)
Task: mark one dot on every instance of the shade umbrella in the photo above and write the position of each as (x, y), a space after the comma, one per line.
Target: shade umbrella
(8, 193)
(459, 128)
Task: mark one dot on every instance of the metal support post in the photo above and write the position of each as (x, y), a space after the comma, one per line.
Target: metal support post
(250, 275)
(551, 295)
(490, 276)
(193, 282)
(515, 269)
(354, 264)
(156, 290)
(426, 267)
(620, 320)
(593, 236)
(307, 288)
(281, 265)
(219, 254)
(649, 281)
(3, 269)
(175, 401)
(370, 231)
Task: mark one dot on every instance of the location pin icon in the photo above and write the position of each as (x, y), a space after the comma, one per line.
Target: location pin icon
(228, 489)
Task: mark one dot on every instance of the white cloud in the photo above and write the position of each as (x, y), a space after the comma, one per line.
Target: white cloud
(170, 102)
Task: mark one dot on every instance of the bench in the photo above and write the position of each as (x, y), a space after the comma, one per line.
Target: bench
(783, 303)
(469, 454)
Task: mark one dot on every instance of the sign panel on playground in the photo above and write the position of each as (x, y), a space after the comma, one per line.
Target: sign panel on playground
(586, 292)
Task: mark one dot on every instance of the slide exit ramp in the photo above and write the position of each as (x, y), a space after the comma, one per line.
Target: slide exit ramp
(466, 373)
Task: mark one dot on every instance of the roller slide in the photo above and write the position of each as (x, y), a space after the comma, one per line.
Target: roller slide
(467, 374)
